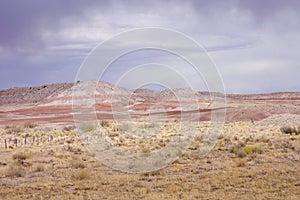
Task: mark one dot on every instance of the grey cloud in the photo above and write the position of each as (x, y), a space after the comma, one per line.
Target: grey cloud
(268, 8)
(49, 38)
(23, 21)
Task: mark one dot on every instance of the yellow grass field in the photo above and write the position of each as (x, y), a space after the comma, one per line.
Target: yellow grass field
(249, 161)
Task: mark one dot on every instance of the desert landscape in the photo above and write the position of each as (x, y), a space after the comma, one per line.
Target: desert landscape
(43, 156)
(154, 100)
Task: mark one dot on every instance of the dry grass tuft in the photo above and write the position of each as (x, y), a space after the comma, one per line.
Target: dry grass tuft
(20, 155)
(73, 149)
(14, 129)
(14, 170)
(242, 151)
(252, 149)
(104, 124)
(39, 168)
(64, 169)
(29, 125)
(69, 128)
(241, 163)
(82, 174)
(78, 164)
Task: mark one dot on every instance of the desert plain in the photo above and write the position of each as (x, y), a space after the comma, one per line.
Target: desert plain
(43, 156)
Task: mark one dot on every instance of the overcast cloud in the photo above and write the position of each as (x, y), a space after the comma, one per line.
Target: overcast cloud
(255, 44)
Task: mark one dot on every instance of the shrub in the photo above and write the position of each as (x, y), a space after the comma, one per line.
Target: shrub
(39, 168)
(14, 170)
(81, 174)
(241, 144)
(286, 129)
(258, 150)
(112, 134)
(290, 130)
(249, 149)
(234, 150)
(30, 125)
(13, 129)
(252, 149)
(73, 149)
(78, 164)
(20, 156)
(69, 128)
(104, 124)
(241, 153)
(241, 163)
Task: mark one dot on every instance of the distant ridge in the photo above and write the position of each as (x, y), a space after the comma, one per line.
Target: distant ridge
(37, 94)
(53, 103)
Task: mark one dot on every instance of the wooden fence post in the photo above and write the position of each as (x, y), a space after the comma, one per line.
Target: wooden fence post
(16, 142)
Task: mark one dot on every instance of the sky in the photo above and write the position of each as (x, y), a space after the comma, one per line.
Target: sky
(255, 45)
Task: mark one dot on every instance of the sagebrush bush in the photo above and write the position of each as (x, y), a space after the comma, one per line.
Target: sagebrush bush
(69, 128)
(21, 155)
(241, 153)
(286, 129)
(30, 125)
(290, 129)
(258, 150)
(104, 124)
(13, 129)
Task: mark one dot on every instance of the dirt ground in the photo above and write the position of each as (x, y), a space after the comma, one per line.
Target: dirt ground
(249, 161)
